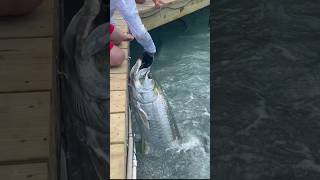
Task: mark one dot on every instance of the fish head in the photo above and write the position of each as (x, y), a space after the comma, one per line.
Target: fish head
(135, 69)
(142, 83)
(134, 77)
(146, 79)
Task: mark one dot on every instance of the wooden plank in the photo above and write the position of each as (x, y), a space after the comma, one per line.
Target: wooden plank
(126, 51)
(123, 28)
(153, 17)
(117, 127)
(117, 161)
(148, 5)
(118, 106)
(55, 108)
(118, 82)
(124, 45)
(25, 64)
(117, 101)
(117, 16)
(37, 171)
(37, 24)
(24, 126)
(121, 22)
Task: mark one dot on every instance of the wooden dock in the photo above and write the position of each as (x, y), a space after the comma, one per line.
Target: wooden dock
(119, 111)
(152, 18)
(172, 9)
(25, 91)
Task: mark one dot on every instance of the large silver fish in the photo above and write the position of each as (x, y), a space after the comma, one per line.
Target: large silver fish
(151, 110)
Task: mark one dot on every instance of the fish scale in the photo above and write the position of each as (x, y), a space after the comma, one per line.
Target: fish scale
(155, 118)
(159, 124)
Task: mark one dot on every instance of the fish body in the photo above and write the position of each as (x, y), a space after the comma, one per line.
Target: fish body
(151, 109)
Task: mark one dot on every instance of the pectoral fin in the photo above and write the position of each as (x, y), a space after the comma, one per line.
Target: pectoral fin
(144, 116)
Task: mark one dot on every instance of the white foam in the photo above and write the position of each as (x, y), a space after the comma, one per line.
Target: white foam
(192, 142)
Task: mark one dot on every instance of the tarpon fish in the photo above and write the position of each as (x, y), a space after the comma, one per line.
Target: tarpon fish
(151, 109)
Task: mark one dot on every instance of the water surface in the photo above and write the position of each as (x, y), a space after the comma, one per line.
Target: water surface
(182, 69)
(267, 89)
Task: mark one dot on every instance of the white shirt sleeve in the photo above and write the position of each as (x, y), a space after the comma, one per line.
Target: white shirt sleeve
(129, 12)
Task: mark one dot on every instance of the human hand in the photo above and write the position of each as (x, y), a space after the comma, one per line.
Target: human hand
(158, 3)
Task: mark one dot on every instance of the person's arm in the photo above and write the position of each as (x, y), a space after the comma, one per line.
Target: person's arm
(130, 14)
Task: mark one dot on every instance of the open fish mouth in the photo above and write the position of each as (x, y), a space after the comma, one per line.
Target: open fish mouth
(136, 73)
(141, 80)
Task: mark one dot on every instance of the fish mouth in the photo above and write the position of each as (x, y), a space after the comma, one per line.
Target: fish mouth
(141, 78)
(137, 73)
(135, 69)
(142, 86)
(144, 73)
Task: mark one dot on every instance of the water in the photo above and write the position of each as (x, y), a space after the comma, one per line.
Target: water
(182, 69)
(267, 89)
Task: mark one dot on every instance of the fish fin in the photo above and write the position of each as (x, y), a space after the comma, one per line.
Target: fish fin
(142, 145)
(144, 116)
(131, 86)
(145, 148)
(174, 126)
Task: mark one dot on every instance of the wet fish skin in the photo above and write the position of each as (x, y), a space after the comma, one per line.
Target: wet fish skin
(151, 109)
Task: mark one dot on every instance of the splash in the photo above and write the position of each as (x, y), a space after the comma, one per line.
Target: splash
(191, 143)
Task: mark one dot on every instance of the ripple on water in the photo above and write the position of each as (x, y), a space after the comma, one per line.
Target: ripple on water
(182, 69)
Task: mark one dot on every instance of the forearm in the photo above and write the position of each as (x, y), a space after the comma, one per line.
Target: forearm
(147, 43)
(130, 14)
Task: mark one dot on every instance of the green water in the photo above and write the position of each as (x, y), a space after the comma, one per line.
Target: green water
(182, 69)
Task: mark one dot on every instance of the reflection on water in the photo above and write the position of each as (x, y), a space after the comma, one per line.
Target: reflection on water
(182, 69)
(267, 91)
